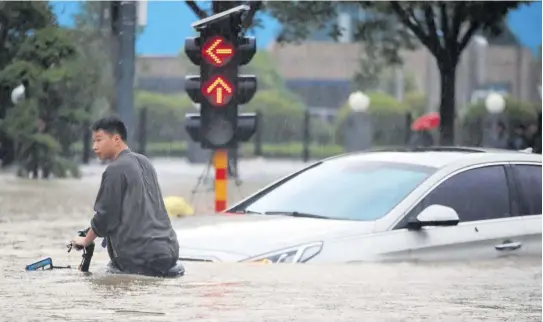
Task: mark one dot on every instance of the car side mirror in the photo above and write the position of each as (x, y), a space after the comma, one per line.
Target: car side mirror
(434, 215)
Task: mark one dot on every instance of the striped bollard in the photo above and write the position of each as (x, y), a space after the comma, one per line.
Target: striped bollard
(220, 161)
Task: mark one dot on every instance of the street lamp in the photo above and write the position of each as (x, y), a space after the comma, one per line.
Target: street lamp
(359, 102)
(494, 103)
(18, 94)
(358, 129)
(480, 49)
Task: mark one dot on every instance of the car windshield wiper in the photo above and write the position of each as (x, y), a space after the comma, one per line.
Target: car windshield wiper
(295, 214)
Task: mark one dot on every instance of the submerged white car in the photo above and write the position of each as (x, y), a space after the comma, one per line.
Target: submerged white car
(418, 204)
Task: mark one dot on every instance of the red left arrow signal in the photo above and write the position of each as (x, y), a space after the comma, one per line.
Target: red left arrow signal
(218, 91)
(217, 51)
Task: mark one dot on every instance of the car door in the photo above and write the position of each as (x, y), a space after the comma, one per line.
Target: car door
(527, 178)
(488, 224)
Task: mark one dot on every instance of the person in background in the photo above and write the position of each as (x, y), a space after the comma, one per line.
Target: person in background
(421, 139)
(537, 138)
(499, 138)
(517, 140)
(531, 135)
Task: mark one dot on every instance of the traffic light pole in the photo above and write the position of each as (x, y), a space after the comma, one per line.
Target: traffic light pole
(219, 51)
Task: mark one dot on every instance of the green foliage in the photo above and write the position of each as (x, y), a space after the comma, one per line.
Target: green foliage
(265, 69)
(34, 149)
(282, 114)
(416, 103)
(516, 113)
(47, 47)
(19, 20)
(165, 115)
(20, 123)
(18, 72)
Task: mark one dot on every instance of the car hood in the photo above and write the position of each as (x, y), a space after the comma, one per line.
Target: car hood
(237, 237)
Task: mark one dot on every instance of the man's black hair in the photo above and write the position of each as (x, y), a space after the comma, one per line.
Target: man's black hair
(110, 125)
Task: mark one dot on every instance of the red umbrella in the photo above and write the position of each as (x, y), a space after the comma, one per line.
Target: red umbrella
(426, 122)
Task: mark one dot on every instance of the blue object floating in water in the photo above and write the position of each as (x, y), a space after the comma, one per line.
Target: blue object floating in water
(40, 264)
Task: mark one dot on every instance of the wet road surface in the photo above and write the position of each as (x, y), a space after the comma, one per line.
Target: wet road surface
(38, 218)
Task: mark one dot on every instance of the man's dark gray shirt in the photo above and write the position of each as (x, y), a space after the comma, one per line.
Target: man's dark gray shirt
(130, 213)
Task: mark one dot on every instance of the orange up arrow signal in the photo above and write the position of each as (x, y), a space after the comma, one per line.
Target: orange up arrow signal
(217, 51)
(218, 91)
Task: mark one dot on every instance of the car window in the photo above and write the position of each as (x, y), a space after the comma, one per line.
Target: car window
(345, 190)
(529, 186)
(476, 194)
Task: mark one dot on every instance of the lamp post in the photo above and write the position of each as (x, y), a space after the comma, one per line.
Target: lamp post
(495, 105)
(358, 130)
(480, 48)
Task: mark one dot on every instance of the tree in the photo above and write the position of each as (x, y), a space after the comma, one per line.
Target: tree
(445, 28)
(18, 20)
(46, 124)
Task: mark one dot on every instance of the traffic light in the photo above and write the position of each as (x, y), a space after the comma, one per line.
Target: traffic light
(219, 51)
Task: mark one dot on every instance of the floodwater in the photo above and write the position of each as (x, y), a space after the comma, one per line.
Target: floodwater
(38, 218)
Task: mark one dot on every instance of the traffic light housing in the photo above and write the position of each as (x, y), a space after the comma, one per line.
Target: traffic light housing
(219, 51)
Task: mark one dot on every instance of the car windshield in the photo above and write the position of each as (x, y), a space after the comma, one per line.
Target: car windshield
(344, 189)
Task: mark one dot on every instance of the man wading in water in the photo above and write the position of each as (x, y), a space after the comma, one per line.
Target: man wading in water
(129, 208)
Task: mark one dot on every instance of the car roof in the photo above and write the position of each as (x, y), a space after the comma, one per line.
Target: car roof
(439, 157)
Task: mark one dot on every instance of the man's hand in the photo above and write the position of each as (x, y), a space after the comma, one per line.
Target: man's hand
(80, 242)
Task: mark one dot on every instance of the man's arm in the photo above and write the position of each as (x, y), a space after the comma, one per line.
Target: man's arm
(90, 237)
(108, 203)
